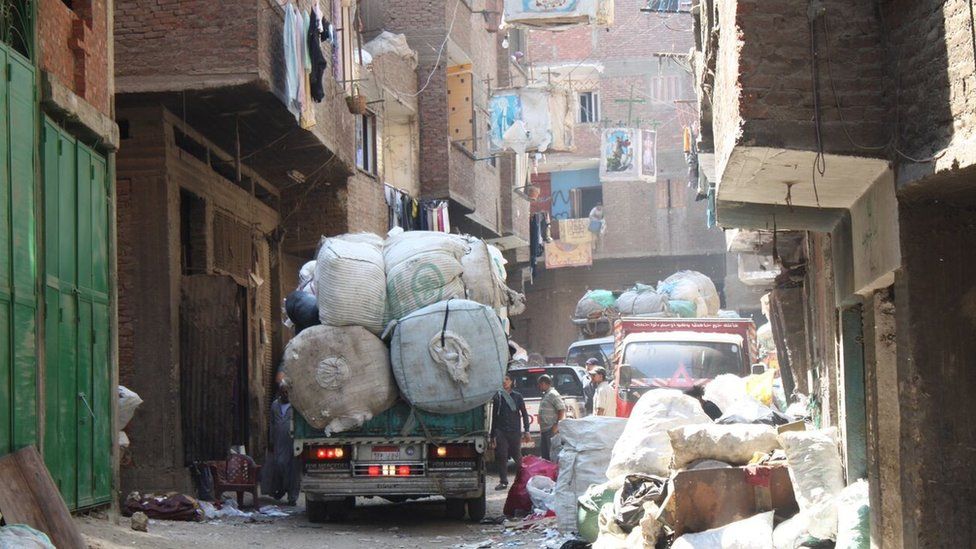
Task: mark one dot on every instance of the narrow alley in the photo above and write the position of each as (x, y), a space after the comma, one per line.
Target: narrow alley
(485, 274)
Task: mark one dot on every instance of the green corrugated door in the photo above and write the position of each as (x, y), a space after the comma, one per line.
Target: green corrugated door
(77, 391)
(18, 259)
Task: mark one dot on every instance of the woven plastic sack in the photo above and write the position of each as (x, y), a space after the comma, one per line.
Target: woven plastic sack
(481, 282)
(682, 309)
(128, 402)
(695, 287)
(589, 506)
(854, 517)
(594, 303)
(583, 459)
(422, 268)
(733, 444)
(351, 281)
(644, 446)
(755, 532)
(449, 357)
(338, 377)
(641, 300)
(817, 473)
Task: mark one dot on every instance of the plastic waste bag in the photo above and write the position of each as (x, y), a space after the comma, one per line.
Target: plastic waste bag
(755, 532)
(589, 505)
(128, 402)
(760, 387)
(594, 303)
(22, 536)
(519, 500)
(817, 473)
(541, 491)
(735, 444)
(587, 444)
(854, 517)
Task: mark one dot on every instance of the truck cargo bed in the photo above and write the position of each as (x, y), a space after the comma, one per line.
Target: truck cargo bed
(401, 422)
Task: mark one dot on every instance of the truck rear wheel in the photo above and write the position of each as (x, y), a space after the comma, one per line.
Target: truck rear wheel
(317, 511)
(456, 509)
(477, 508)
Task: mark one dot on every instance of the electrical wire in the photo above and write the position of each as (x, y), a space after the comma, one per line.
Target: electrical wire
(440, 52)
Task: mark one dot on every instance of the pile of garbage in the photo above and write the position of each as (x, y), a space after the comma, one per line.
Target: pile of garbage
(406, 316)
(685, 294)
(670, 476)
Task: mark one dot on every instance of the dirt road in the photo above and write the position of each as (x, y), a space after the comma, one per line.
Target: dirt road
(374, 523)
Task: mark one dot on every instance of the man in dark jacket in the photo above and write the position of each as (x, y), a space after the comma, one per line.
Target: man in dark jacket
(506, 436)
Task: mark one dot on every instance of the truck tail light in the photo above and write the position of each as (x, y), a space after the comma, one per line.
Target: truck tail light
(453, 451)
(329, 453)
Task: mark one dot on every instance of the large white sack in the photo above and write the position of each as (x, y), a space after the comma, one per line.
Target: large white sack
(734, 444)
(307, 279)
(480, 281)
(641, 300)
(854, 517)
(422, 268)
(351, 281)
(129, 400)
(817, 473)
(644, 446)
(449, 357)
(338, 377)
(583, 459)
(695, 287)
(755, 532)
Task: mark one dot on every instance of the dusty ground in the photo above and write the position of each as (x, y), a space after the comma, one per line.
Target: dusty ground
(374, 523)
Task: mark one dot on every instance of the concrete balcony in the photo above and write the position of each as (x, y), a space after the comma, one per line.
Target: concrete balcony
(793, 105)
(220, 67)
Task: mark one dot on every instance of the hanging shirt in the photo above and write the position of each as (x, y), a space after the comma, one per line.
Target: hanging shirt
(318, 63)
(291, 71)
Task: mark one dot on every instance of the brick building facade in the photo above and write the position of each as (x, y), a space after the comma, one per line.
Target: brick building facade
(856, 133)
(634, 74)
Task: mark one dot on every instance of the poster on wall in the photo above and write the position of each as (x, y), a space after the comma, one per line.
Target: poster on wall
(648, 155)
(556, 14)
(560, 254)
(505, 109)
(619, 154)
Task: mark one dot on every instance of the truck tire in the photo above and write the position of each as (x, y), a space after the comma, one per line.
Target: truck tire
(456, 509)
(477, 508)
(317, 511)
(339, 510)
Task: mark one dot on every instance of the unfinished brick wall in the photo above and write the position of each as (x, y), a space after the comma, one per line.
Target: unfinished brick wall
(74, 48)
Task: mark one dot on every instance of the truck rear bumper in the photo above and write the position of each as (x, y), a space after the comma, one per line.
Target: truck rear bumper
(462, 484)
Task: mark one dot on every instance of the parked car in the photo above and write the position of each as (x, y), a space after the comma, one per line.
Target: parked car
(568, 380)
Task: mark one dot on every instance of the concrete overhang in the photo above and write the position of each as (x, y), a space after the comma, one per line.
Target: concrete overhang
(758, 184)
(508, 242)
(78, 115)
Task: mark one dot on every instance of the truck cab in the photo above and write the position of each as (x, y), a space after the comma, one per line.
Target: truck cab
(678, 354)
(401, 454)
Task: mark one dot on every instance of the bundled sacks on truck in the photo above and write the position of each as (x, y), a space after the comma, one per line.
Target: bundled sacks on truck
(695, 287)
(642, 300)
(422, 268)
(449, 357)
(338, 377)
(351, 281)
(595, 303)
(480, 276)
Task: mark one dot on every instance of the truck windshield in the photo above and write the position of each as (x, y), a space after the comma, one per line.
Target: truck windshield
(564, 380)
(678, 364)
(579, 354)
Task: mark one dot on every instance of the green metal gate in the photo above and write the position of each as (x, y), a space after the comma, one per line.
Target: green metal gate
(77, 382)
(18, 254)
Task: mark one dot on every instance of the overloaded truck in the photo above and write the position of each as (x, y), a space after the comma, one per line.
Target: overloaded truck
(678, 353)
(392, 388)
(400, 454)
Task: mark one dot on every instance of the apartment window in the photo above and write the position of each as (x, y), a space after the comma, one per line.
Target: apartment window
(589, 107)
(366, 143)
(584, 199)
(666, 88)
(460, 103)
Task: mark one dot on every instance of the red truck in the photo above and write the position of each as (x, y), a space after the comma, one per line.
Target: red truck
(678, 353)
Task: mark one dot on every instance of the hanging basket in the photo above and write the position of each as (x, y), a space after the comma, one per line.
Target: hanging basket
(356, 103)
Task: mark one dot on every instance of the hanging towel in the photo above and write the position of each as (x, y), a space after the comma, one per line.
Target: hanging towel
(291, 71)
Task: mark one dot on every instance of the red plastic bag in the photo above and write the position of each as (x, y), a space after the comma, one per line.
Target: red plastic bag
(518, 499)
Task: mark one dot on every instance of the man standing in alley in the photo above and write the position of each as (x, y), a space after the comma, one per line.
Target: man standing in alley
(552, 410)
(588, 391)
(604, 400)
(282, 473)
(509, 408)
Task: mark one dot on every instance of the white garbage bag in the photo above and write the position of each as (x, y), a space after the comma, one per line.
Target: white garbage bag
(22, 536)
(128, 402)
(695, 287)
(542, 492)
(351, 281)
(338, 377)
(734, 444)
(449, 357)
(755, 532)
(854, 517)
(817, 473)
(586, 447)
(644, 446)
